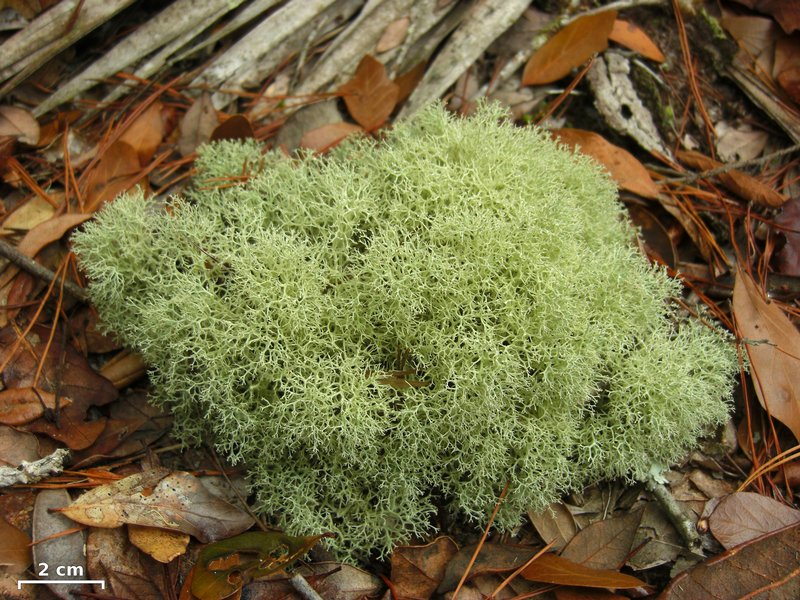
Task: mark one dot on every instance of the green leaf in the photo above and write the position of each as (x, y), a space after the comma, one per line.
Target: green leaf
(224, 567)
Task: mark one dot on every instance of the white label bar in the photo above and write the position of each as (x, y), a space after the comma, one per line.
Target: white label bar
(22, 582)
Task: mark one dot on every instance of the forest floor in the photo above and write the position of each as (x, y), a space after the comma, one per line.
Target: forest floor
(691, 106)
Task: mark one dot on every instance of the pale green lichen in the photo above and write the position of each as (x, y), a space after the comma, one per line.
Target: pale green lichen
(490, 266)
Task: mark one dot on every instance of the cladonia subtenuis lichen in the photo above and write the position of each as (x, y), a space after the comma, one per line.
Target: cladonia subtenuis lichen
(408, 323)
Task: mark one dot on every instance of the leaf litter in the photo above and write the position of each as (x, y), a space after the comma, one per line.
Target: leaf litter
(73, 405)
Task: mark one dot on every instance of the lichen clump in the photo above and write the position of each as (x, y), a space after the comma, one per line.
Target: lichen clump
(408, 324)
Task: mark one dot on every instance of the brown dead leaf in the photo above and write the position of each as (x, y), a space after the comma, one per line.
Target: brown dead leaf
(483, 587)
(65, 371)
(407, 82)
(739, 142)
(554, 524)
(765, 567)
(773, 345)
(15, 550)
(785, 13)
(235, 127)
(658, 240)
(789, 474)
(332, 581)
(84, 326)
(127, 572)
(124, 368)
(22, 288)
(370, 96)
(632, 36)
(329, 136)
(628, 172)
(156, 498)
(132, 427)
(17, 446)
(30, 214)
(604, 544)
(696, 229)
(35, 240)
(744, 516)
(710, 486)
(50, 231)
(789, 223)
(197, 124)
(161, 544)
(493, 558)
(786, 69)
(146, 132)
(575, 593)
(418, 570)
(19, 406)
(756, 39)
(8, 145)
(393, 35)
(741, 184)
(549, 568)
(568, 593)
(20, 124)
(117, 171)
(569, 48)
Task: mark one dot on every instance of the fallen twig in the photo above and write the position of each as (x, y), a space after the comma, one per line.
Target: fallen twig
(31, 472)
(675, 514)
(31, 266)
(302, 587)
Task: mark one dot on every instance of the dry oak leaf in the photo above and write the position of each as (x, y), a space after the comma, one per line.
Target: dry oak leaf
(554, 524)
(328, 136)
(786, 69)
(19, 123)
(331, 580)
(788, 222)
(549, 568)
(604, 544)
(393, 35)
(65, 371)
(158, 498)
(127, 572)
(623, 167)
(632, 36)
(493, 558)
(739, 183)
(197, 125)
(786, 12)
(744, 516)
(15, 549)
(370, 96)
(117, 171)
(19, 406)
(235, 127)
(41, 235)
(407, 82)
(162, 544)
(145, 132)
(50, 231)
(765, 567)
(569, 48)
(418, 570)
(773, 345)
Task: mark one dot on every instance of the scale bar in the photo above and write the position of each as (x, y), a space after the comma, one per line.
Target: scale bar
(20, 583)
